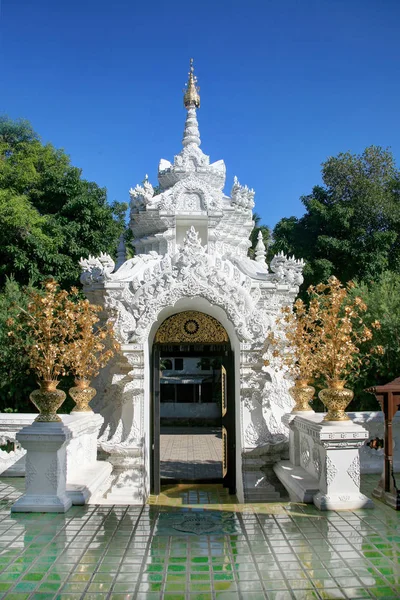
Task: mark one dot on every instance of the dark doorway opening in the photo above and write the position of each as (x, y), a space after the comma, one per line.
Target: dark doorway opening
(193, 428)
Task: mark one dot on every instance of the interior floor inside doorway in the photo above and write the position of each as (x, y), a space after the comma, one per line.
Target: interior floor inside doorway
(191, 453)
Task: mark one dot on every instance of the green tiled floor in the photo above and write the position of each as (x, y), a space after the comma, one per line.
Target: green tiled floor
(197, 543)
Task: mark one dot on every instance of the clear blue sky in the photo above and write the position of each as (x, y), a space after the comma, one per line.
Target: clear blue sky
(284, 84)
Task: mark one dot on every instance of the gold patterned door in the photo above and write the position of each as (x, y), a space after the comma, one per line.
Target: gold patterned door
(228, 422)
(224, 410)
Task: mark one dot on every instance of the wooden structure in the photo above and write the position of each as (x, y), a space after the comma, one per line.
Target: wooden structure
(388, 396)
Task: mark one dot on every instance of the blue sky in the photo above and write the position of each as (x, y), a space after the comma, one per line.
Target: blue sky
(284, 85)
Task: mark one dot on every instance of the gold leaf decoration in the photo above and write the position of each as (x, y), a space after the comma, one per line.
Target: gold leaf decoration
(191, 327)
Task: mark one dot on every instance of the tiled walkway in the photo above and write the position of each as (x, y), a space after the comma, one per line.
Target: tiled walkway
(197, 543)
(191, 453)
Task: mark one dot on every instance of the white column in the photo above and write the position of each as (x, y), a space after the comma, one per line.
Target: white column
(46, 469)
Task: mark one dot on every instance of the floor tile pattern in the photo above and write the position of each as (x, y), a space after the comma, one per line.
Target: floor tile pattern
(197, 543)
(191, 453)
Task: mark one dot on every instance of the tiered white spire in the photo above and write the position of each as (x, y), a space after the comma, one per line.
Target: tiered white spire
(191, 100)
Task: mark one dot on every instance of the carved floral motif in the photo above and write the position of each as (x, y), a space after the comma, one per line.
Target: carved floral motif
(305, 451)
(330, 471)
(316, 458)
(354, 470)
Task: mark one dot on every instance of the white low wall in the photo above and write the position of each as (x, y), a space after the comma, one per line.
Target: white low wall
(83, 448)
(372, 460)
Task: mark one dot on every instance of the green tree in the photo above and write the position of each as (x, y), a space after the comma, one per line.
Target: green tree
(16, 382)
(382, 298)
(49, 215)
(351, 225)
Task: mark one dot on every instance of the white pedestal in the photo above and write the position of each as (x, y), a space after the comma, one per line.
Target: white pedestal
(61, 463)
(45, 481)
(324, 464)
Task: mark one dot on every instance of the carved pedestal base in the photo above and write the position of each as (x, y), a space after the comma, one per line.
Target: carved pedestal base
(324, 465)
(342, 501)
(46, 475)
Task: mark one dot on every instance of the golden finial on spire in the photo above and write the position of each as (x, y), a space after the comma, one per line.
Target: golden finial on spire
(191, 99)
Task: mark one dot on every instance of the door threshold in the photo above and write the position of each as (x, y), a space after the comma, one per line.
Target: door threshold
(168, 481)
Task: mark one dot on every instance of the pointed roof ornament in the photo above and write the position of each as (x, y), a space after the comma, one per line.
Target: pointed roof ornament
(191, 99)
(260, 252)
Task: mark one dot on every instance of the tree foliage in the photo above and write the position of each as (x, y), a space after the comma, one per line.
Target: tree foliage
(382, 298)
(16, 382)
(351, 226)
(49, 215)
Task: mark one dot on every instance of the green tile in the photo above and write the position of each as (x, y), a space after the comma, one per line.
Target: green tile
(25, 586)
(9, 576)
(176, 569)
(200, 587)
(223, 576)
(200, 577)
(5, 586)
(74, 588)
(33, 576)
(381, 592)
(175, 587)
(48, 587)
(200, 559)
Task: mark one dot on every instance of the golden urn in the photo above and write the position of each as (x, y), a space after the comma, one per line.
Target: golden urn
(336, 399)
(48, 400)
(82, 394)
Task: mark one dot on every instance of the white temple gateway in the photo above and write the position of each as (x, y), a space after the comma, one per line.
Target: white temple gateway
(191, 288)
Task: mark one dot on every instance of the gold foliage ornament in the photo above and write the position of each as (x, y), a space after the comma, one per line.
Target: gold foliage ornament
(191, 327)
(64, 336)
(323, 340)
(294, 350)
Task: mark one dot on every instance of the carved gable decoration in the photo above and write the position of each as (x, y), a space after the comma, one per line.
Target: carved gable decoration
(193, 327)
(191, 187)
(190, 201)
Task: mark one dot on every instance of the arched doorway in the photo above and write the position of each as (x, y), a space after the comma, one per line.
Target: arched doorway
(197, 338)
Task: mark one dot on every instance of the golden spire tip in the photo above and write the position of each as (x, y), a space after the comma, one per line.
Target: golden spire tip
(191, 98)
